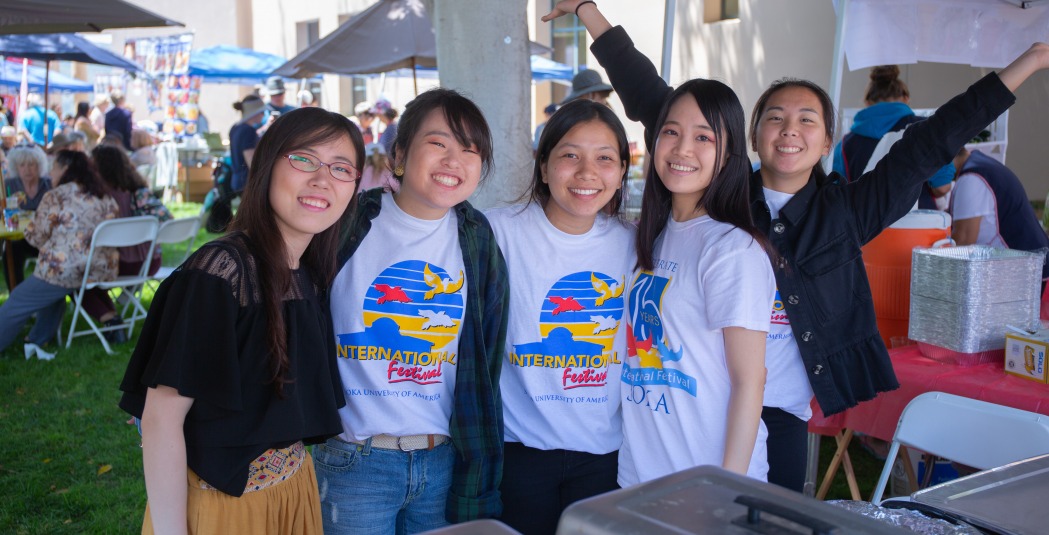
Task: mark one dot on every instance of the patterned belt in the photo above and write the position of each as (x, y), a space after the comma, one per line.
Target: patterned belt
(405, 443)
(271, 467)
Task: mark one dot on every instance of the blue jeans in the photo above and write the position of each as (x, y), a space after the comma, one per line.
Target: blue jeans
(374, 491)
(539, 484)
(33, 296)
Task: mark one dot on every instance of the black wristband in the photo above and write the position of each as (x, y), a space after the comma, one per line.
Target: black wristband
(583, 3)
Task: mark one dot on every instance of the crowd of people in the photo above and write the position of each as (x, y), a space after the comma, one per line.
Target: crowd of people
(448, 364)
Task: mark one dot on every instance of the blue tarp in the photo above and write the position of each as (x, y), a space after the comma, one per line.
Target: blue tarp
(226, 64)
(11, 76)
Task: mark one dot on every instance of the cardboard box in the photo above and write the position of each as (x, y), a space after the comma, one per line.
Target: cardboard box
(1025, 355)
(200, 181)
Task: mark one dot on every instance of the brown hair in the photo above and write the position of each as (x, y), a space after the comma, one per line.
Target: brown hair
(885, 85)
(292, 131)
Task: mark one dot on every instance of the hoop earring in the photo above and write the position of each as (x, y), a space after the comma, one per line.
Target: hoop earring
(398, 171)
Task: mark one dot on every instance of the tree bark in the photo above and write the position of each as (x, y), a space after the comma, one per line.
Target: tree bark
(482, 52)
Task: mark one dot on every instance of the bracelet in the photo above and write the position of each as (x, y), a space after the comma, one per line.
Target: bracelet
(583, 3)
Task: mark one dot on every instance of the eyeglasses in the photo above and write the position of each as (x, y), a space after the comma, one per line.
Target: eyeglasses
(339, 171)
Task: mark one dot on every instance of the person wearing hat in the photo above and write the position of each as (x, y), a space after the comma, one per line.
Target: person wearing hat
(589, 85)
(364, 118)
(8, 139)
(548, 112)
(275, 90)
(32, 120)
(244, 137)
(387, 114)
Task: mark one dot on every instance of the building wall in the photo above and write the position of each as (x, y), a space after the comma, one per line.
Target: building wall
(773, 39)
(213, 22)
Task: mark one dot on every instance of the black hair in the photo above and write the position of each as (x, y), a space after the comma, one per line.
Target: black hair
(116, 169)
(727, 198)
(82, 109)
(465, 119)
(292, 131)
(577, 112)
(80, 170)
(826, 104)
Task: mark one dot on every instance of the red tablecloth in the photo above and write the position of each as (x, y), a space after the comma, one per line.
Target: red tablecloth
(917, 375)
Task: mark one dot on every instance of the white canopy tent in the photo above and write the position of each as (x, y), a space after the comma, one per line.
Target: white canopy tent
(980, 33)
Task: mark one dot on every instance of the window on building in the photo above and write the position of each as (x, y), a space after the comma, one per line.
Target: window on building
(570, 48)
(306, 33)
(718, 10)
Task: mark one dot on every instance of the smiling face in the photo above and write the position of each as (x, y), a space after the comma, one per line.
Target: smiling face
(791, 138)
(685, 156)
(583, 172)
(307, 203)
(439, 172)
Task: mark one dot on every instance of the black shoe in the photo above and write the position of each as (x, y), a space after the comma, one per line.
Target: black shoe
(118, 336)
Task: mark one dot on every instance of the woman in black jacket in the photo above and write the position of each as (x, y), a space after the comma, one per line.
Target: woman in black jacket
(817, 223)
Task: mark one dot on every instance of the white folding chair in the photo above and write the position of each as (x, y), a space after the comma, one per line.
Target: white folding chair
(122, 232)
(176, 231)
(974, 433)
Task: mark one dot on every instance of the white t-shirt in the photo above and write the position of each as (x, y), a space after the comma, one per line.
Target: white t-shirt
(565, 340)
(974, 198)
(397, 308)
(787, 386)
(708, 275)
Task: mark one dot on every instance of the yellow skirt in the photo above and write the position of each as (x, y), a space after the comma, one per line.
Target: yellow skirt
(291, 506)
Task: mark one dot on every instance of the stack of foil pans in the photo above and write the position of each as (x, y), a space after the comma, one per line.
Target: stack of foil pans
(962, 298)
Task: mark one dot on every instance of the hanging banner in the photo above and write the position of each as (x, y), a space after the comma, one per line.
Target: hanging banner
(170, 89)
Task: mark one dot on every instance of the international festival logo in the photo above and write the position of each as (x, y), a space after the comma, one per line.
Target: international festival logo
(412, 315)
(577, 323)
(647, 340)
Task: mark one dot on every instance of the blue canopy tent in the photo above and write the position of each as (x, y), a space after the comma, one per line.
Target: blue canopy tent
(60, 46)
(11, 76)
(224, 64)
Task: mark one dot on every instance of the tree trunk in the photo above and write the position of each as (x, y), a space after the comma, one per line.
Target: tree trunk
(482, 52)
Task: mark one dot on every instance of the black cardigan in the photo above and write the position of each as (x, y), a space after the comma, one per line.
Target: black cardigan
(819, 232)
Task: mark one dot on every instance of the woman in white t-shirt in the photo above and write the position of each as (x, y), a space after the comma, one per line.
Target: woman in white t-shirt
(698, 307)
(419, 313)
(569, 256)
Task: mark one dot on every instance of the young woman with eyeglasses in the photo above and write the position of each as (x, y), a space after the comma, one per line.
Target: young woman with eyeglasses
(235, 368)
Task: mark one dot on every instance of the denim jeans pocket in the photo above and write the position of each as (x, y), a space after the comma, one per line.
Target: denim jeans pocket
(332, 459)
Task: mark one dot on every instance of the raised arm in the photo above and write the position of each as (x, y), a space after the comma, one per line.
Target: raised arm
(634, 77)
(1031, 61)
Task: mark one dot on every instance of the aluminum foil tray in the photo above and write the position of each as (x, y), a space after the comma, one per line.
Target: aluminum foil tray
(962, 298)
(976, 274)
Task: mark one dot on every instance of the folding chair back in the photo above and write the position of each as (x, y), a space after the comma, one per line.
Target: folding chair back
(974, 433)
(122, 232)
(177, 231)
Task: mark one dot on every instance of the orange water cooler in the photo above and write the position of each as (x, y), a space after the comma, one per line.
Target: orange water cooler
(888, 261)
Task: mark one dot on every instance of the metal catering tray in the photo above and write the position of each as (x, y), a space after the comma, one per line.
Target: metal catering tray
(708, 499)
(1009, 499)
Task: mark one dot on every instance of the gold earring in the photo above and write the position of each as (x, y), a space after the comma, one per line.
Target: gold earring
(398, 171)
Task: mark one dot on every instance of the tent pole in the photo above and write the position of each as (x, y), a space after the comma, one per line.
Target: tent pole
(47, 85)
(415, 81)
(836, 70)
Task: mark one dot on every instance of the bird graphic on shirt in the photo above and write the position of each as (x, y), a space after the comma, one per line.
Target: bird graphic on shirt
(438, 285)
(604, 323)
(435, 319)
(391, 293)
(565, 304)
(604, 291)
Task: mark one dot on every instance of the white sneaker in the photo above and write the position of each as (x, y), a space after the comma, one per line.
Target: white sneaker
(33, 349)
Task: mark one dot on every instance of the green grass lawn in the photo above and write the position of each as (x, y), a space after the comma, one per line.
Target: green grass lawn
(70, 462)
